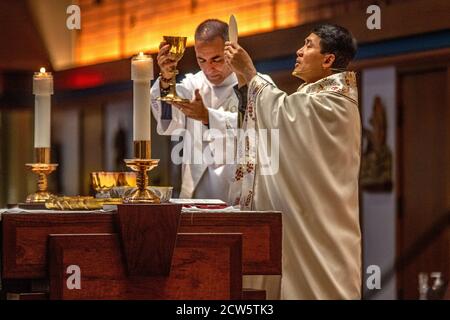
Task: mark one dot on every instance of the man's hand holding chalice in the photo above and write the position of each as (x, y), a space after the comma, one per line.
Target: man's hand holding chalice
(167, 65)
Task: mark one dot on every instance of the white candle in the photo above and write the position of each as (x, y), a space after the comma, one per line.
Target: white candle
(42, 89)
(141, 74)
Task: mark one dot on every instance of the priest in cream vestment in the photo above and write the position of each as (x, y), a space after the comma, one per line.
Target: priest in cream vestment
(315, 182)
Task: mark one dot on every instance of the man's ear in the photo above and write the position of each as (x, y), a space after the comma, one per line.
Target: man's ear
(328, 60)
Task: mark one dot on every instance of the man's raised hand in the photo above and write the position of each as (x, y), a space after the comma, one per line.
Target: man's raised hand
(239, 61)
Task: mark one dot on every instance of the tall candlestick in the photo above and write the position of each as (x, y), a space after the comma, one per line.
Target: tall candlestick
(141, 74)
(42, 88)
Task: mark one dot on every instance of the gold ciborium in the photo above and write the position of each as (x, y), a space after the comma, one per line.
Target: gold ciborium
(110, 184)
(176, 51)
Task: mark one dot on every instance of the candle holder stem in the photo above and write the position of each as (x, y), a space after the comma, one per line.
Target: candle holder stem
(42, 182)
(142, 179)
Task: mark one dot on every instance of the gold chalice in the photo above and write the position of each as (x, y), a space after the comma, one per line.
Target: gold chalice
(176, 51)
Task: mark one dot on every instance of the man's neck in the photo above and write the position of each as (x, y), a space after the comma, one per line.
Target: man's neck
(230, 79)
(324, 74)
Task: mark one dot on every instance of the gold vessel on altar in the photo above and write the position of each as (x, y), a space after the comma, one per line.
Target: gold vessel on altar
(176, 52)
(79, 203)
(112, 184)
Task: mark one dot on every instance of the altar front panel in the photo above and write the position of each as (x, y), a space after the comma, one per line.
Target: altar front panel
(25, 237)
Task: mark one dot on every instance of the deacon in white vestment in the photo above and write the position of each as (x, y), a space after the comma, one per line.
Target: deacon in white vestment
(200, 179)
(315, 183)
(205, 173)
(208, 124)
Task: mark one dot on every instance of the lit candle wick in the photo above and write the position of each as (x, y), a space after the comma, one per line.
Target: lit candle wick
(42, 70)
(141, 54)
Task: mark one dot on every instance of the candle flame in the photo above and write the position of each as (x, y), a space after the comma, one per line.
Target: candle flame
(42, 70)
(141, 54)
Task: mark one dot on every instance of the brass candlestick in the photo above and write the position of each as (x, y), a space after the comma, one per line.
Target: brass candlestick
(42, 168)
(142, 163)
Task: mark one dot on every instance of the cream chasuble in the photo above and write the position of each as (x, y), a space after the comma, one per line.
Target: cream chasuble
(315, 184)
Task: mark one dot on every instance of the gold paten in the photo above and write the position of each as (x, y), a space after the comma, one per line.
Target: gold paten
(79, 203)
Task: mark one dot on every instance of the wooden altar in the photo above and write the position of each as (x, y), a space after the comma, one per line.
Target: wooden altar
(42, 253)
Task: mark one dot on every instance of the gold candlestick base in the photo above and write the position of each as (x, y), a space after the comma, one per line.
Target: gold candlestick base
(141, 194)
(42, 170)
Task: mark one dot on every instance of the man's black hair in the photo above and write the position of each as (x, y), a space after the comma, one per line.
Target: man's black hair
(337, 40)
(210, 29)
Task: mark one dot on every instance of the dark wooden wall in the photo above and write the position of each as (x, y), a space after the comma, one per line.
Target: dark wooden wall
(424, 205)
(21, 46)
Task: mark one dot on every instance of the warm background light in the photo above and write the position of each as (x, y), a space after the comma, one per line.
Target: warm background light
(115, 29)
